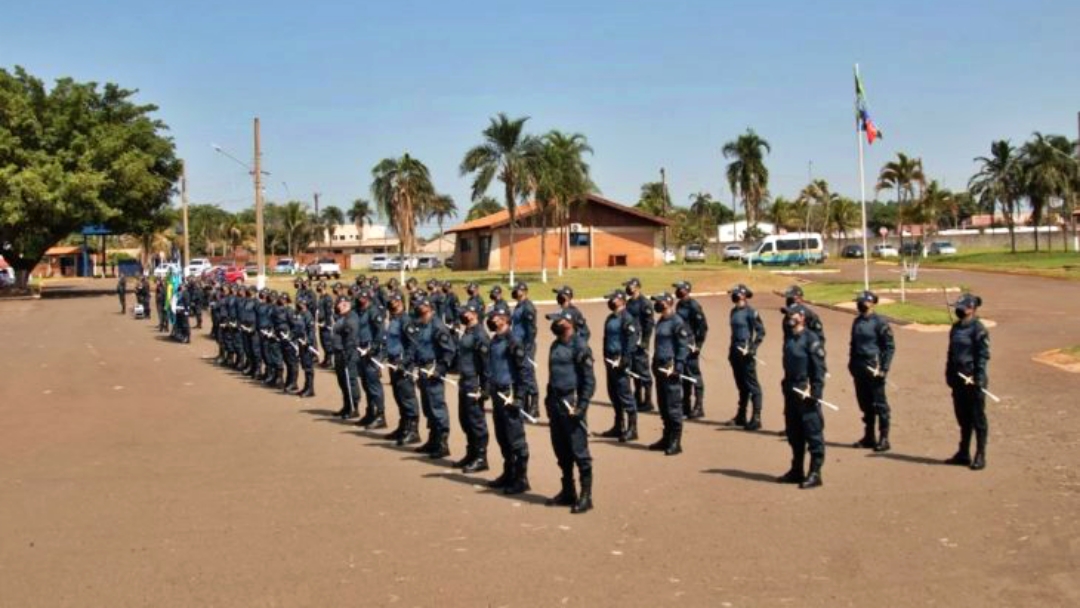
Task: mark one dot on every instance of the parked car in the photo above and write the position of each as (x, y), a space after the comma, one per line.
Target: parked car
(285, 266)
(163, 270)
(228, 274)
(786, 249)
(197, 266)
(694, 253)
(251, 269)
(324, 268)
(428, 261)
(395, 263)
(7, 277)
(885, 251)
(852, 251)
(733, 252)
(942, 248)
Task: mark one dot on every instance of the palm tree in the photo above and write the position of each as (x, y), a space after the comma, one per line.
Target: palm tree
(843, 216)
(781, 213)
(330, 217)
(442, 207)
(361, 214)
(998, 181)
(237, 233)
(295, 224)
(402, 188)
(558, 176)
(502, 155)
(1048, 171)
(817, 193)
(747, 175)
(483, 208)
(934, 202)
(901, 176)
(653, 199)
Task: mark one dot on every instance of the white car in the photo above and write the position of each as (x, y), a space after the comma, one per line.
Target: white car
(325, 267)
(285, 266)
(7, 277)
(733, 252)
(197, 266)
(885, 251)
(164, 270)
(942, 248)
(380, 262)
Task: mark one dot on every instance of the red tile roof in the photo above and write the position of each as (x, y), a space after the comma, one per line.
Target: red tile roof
(501, 218)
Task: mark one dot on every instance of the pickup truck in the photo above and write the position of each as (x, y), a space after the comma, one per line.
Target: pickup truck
(324, 268)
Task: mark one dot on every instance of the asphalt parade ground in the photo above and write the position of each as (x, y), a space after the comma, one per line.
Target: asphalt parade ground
(134, 472)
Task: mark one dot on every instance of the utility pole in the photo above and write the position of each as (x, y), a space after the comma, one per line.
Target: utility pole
(184, 202)
(663, 187)
(260, 255)
(316, 204)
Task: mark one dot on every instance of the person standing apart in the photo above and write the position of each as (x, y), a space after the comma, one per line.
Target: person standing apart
(641, 310)
(967, 374)
(804, 387)
(869, 359)
(121, 291)
(671, 349)
(747, 334)
(621, 343)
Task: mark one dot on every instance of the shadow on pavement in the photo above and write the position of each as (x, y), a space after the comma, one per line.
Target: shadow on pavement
(528, 497)
(747, 475)
(907, 458)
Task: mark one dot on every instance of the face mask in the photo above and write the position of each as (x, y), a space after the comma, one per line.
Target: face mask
(612, 306)
(862, 306)
(630, 291)
(790, 300)
(961, 314)
(561, 299)
(680, 294)
(515, 294)
(735, 298)
(658, 307)
(491, 325)
(790, 322)
(464, 319)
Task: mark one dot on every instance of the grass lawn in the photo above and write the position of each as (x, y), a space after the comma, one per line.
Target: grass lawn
(914, 312)
(1072, 351)
(593, 283)
(1056, 264)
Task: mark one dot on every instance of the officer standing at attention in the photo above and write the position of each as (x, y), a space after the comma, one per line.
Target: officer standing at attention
(565, 297)
(183, 303)
(869, 359)
(497, 301)
(195, 297)
(304, 332)
(641, 310)
(472, 290)
(343, 342)
(264, 330)
(747, 334)
(571, 385)
(398, 346)
(523, 325)
(803, 385)
(324, 320)
(506, 363)
(473, 350)
(370, 342)
(451, 305)
(142, 295)
(121, 291)
(621, 343)
(248, 317)
(290, 348)
(438, 300)
(793, 296)
(159, 301)
(280, 329)
(670, 352)
(967, 375)
(432, 358)
(694, 318)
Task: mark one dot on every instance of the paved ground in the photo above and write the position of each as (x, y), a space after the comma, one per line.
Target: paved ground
(134, 473)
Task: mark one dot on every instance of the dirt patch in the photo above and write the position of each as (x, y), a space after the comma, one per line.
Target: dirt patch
(1059, 359)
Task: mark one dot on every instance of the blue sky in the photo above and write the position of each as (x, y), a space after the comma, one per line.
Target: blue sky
(339, 86)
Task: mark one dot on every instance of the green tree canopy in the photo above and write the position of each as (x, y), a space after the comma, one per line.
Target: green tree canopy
(483, 208)
(77, 154)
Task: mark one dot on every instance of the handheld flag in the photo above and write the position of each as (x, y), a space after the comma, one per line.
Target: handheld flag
(863, 121)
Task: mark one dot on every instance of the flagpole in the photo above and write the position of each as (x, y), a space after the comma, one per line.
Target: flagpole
(862, 191)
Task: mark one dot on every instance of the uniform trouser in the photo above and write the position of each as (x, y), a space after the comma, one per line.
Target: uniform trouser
(264, 349)
(669, 392)
(238, 341)
(250, 344)
(183, 329)
(345, 368)
(123, 302)
(510, 425)
(326, 338)
(404, 389)
(744, 369)
(291, 354)
(569, 435)
(196, 311)
(276, 360)
(969, 405)
(471, 413)
(528, 373)
(870, 393)
(619, 390)
(640, 366)
(804, 427)
(307, 358)
(372, 383)
(163, 321)
(694, 389)
(256, 360)
(433, 402)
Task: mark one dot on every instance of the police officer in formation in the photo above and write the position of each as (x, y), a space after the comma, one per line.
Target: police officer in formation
(472, 293)
(967, 374)
(747, 334)
(324, 320)
(398, 347)
(506, 369)
(523, 324)
(641, 310)
(622, 341)
(290, 349)
(570, 388)
(451, 304)
(869, 359)
(693, 396)
(564, 296)
(472, 358)
(433, 357)
(369, 346)
(121, 291)
(303, 330)
(794, 295)
(181, 326)
(671, 351)
(344, 341)
(803, 388)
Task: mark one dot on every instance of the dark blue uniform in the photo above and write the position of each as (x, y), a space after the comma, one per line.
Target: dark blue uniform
(264, 330)
(641, 311)
(571, 385)
(472, 358)
(370, 342)
(804, 370)
(247, 323)
(506, 363)
(398, 346)
(451, 308)
(433, 356)
(671, 350)
(969, 354)
(872, 349)
(747, 334)
(304, 332)
(344, 342)
(622, 340)
(581, 327)
(290, 345)
(523, 324)
(694, 318)
(182, 328)
(324, 320)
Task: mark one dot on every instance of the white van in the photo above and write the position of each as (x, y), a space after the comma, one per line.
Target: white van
(785, 249)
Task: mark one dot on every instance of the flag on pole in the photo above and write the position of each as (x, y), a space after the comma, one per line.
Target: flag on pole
(862, 113)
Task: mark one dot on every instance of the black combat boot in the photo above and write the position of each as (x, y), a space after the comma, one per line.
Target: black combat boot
(428, 445)
(409, 435)
(867, 440)
(754, 423)
(794, 474)
(699, 404)
(470, 453)
(378, 423)
(740, 417)
(616, 429)
(503, 480)
(567, 496)
(533, 405)
(675, 445)
(962, 457)
(479, 462)
(441, 449)
(686, 398)
(520, 482)
(368, 418)
(813, 480)
(309, 385)
(630, 432)
(394, 434)
(584, 501)
(661, 444)
(980, 452)
(290, 380)
(883, 441)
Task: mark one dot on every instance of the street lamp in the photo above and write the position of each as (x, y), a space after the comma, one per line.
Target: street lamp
(256, 174)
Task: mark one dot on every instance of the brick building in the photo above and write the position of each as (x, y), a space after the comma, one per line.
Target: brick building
(602, 233)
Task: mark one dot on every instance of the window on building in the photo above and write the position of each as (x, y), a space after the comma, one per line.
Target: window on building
(579, 239)
(466, 245)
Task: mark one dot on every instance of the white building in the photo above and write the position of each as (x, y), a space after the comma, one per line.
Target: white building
(733, 232)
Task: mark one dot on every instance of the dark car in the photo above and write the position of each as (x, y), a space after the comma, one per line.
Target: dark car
(852, 251)
(911, 248)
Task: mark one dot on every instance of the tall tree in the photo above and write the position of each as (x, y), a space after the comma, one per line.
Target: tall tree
(402, 188)
(74, 155)
(442, 207)
(782, 214)
(843, 216)
(296, 226)
(330, 218)
(558, 176)
(747, 175)
(1047, 173)
(653, 199)
(902, 176)
(818, 195)
(361, 213)
(483, 208)
(934, 202)
(502, 155)
(998, 181)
